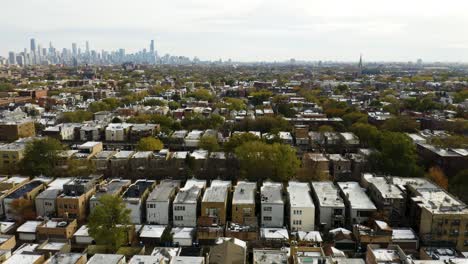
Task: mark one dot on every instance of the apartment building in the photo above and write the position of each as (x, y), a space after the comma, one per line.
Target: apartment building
(27, 193)
(387, 196)
(301, 207)
(46, 201)
(10, 155)
(159, 202)
(359, 206)
(215, 201)
(186, 206)
(117, 131)
(243, 203)
(272, 204)
(73, 202)
(113, 187)
(330, 210)
(135, 197)
(13, 129)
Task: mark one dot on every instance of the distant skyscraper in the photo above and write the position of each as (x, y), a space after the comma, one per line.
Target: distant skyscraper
(360, 65)
(33, 45)
(87, 47)
(74, 49)
(11, 58)
(152, 46)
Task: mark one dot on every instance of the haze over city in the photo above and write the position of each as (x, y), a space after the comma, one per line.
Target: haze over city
(246, 30)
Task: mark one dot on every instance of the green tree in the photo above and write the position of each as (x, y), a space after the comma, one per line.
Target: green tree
(396, 156)
(325, 128)
(239, 139)
(259, 97)
(77, 116)
(261, 161)
(458, 185)
(367, 134)
(202, 95)
(149, 144)
(109, 222)
(400, 124)
(353, 117)
(5, 87)
(209, 143)
(235, 104)
(41, 157)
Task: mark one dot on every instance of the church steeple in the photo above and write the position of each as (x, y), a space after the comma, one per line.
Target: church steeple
(360, 65)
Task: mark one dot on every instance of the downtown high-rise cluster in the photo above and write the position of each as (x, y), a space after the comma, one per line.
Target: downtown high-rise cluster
(74, 56)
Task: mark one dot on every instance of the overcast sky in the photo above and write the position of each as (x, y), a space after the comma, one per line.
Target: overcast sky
(247, 30)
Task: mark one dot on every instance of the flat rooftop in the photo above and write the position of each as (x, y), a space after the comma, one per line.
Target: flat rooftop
(356, 196)
(163, 191)
(244, 193)
(272, 193)
(299, 194)
(217, 192)
(327, 194)
(137, 189)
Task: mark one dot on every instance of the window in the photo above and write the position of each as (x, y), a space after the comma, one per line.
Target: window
(338, 212)
(297, 212)
(178, 218)
(267, 208)
(151, 206)
(465, 243)
(297, 222)
(456, 222)
(267, 218)
(179, 208)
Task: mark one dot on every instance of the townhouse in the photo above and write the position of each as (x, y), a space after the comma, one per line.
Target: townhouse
(330, 211)
(272, 205)
(159, 202)
(359, 207)
(186, 206)
(135, 197)
(301, 207)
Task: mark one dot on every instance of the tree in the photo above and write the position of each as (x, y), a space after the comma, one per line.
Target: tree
(396, 155)
(436, 175)
(76, 168)
(108, 223)
(261, 161)
(209, 143)
(458, 185)
(149, 144)
(350, 118)
(5, 87)
(76, 116)
(259, 97)
(325, 128)
(202, 95)
(368, 134)
(235, 104)
(40, 157)
(239, 139)
(286, 110)
(400, 124)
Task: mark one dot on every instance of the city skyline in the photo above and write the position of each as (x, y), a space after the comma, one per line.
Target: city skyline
(254, 30)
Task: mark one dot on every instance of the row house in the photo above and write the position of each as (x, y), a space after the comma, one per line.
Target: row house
(359, 207)
(135, 197)
(186, 206)
(46, 201)
(330, 211)
(301, 207)
(272, 205)
(73, 202)
(114, 187)
(159, 202)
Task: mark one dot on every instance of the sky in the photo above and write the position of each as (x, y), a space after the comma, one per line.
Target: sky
(247, 30)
